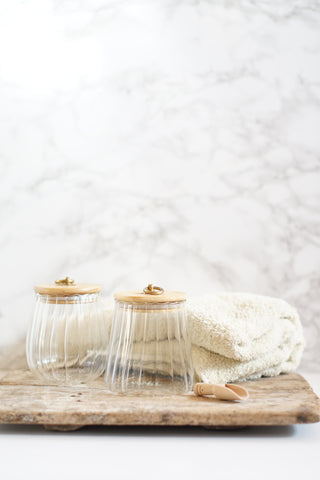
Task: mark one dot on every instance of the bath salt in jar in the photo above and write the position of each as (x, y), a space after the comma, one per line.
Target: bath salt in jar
(149, 350)
(67, 338)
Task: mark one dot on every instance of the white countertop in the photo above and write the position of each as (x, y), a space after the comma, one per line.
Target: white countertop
(161, 453)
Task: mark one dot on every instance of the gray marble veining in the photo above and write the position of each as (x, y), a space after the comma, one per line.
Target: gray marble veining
(161, 140)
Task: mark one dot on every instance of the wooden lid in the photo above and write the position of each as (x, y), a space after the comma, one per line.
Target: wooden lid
(150, 294)
(66, 287)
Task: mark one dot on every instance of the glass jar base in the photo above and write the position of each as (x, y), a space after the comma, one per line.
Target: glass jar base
(150, 386)
(67, 377)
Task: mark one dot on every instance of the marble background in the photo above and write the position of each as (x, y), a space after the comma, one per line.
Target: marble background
(172, 141)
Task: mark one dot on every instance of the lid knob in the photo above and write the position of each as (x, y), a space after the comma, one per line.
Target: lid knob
(153, 290)
(65, 281)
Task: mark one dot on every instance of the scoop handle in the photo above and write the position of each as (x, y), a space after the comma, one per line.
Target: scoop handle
(222, 392)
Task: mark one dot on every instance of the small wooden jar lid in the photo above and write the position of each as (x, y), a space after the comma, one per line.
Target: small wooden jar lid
(66, 287)
(154, 295)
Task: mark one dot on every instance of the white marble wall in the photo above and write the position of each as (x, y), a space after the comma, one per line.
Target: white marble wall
(173, 141)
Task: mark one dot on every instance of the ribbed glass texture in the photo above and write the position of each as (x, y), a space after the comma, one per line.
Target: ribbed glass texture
(66, 342)
(149, 349)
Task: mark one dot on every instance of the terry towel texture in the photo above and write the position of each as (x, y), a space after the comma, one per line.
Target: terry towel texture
(242, 336)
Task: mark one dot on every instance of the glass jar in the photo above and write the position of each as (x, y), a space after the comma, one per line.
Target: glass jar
(149, 349)
(66, 341)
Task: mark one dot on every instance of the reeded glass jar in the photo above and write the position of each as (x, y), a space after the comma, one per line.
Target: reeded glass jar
(67, 338)
(149, 349)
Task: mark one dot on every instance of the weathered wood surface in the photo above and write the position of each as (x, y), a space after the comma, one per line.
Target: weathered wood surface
(283, 400)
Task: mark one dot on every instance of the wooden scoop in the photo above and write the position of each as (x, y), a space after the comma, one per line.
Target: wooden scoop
(228, 391)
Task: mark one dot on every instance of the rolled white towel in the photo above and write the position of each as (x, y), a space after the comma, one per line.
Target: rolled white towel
(240, 336)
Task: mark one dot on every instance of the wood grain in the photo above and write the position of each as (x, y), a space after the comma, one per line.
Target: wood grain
(140, 297)
(283, 400)
(53, 289)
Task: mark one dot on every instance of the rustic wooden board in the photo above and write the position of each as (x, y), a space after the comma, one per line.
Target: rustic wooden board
(283, 400)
